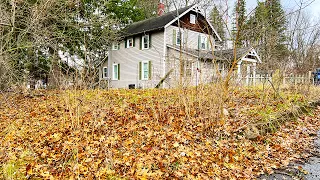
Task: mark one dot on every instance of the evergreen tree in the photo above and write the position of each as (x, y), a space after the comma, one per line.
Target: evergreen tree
(217, 21)
(149, 7)
(267, 31)
(127, 11)
(239, 22)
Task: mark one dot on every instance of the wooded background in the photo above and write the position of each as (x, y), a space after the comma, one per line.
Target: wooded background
(47, 39)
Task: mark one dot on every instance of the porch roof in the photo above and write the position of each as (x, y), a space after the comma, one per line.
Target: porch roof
(242, 54)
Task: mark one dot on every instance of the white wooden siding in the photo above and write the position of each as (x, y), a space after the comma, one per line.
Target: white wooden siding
(202, 71)
(190, 38)
(129, 59)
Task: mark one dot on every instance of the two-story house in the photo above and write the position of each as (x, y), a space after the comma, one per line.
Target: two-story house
(178, 45)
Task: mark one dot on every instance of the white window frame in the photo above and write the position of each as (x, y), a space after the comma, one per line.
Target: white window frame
(115, 46)
(146, 43)
(105, 73)
(188, 68)
(181, 38)
(128, 42)
(143, 72)
(203, 40)
(192, 18)
(115, 76)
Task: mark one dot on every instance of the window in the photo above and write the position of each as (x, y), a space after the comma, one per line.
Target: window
(130, 42)
(116, 72)
(105, 72)
(179, 38)
(188, 68)
(145, 41)
(115, 46)
(192, 19)
(203, 42)
(145, 70)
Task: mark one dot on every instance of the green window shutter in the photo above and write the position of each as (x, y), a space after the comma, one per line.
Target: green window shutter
(199, 41)
(150, 69)
(140, 70)
(174, 38)
(150, 44)
(125, 43)
(133, 41)
(141, 39)
(118, 71)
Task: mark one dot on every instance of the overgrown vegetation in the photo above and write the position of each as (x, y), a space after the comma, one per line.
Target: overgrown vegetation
(148, 133)
(210, 131)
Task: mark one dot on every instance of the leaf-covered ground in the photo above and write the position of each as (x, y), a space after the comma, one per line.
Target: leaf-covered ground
(147, 134)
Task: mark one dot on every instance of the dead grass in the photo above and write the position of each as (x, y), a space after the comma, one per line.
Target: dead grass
(176, 133)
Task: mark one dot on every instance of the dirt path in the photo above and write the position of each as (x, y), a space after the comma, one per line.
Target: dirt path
(310, 170)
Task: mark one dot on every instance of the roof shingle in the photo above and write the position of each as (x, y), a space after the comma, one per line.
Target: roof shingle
(152, 24)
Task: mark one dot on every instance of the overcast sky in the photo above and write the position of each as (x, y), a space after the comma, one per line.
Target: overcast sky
(290, 5)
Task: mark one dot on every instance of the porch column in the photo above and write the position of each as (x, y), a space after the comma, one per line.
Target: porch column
(254, 68)
(248, 75)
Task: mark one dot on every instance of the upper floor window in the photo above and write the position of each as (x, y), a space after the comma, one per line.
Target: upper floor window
(179, 38)
(203, 42)
(115, 46)
(145, 41)
(192, 19)
(130, 42)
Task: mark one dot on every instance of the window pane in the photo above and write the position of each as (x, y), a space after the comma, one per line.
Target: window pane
(188, 68)
(145, 70)
(179, 38)
(146, 41)
(203, 42)
(105, 72)
(192, 18)
(115, 72)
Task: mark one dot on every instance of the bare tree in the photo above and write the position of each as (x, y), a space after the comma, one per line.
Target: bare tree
(304, 36)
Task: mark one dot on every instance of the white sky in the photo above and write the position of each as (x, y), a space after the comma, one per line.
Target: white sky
(289, 5)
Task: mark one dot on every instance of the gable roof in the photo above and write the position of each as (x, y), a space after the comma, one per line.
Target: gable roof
(158, 23)
(241, 54)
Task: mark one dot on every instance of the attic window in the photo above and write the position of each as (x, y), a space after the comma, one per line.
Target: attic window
(192, 19)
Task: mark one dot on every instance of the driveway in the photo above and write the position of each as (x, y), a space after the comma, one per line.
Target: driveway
(310, 170)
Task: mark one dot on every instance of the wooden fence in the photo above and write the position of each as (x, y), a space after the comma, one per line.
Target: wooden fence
(285, 79)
